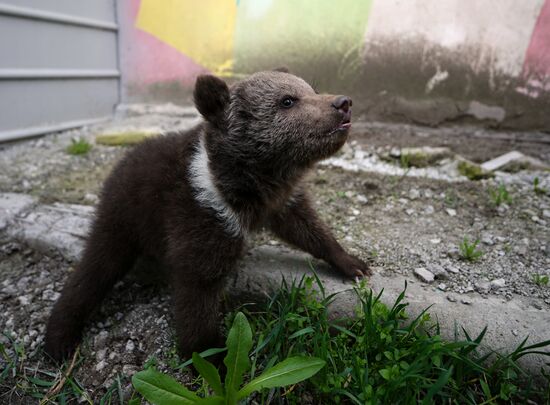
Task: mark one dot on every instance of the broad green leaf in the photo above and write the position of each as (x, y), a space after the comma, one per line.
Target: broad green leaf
(134, 401)
(161, 389)
(289, 371)
(385, 373)
(209, 373)
(239, 343)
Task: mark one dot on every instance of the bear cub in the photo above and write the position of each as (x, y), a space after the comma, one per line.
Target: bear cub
(189, 199)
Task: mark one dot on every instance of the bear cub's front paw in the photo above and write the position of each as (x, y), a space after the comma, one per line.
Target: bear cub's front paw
(351, 266)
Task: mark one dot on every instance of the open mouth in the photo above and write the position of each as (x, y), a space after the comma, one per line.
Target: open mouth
(344, 125)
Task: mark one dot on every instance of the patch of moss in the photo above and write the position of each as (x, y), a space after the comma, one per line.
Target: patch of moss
(472, 171)
(123, 138)
(423, 156)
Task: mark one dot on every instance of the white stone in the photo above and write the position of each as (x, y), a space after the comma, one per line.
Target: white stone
(130, 345)
(362, 199)
(498, 283)
(451, 212)
(424, 275)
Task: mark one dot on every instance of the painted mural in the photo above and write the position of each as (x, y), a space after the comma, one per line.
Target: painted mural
(417, 48)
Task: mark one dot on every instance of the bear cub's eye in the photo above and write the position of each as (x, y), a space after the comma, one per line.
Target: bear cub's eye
(287, 102)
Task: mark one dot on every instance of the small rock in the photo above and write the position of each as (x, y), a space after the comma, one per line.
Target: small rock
(100, 366)
(414, 194)
(129, 370)
(451, 212)
(424, 275)
(515, 332)
(498, 283)
(483, 287)
(409, 211)
(537, 305)
(452, 269)
(362, 199)
(92, 198)
(101, 339)
(521, 250)
(435, 241)
(100, 355)
(395, 152)
(453, 252)
(439, 272)
(487, 239)
(50, 295)
(546, 213)
(429, 210)
(442, 286)
(23, 300)
(466, 301)
(130, 345)
(451, 298)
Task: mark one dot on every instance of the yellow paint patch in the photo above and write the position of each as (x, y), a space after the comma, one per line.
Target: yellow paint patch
(202, 30)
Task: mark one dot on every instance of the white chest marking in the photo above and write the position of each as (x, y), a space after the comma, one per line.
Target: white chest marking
(208, 195)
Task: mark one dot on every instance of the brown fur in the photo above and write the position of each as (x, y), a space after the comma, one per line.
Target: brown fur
(258, 151)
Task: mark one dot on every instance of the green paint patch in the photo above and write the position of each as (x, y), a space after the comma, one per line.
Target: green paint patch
(123, 138)
(317, 40)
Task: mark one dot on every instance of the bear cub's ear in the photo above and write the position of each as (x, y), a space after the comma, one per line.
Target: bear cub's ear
(211, 97)
(282, 69)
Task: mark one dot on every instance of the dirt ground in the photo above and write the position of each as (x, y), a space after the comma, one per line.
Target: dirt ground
(400, 223)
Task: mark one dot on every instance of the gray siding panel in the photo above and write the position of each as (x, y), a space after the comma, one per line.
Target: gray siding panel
(26, 43)
(58, 64)
(29, 103)
(95, 9)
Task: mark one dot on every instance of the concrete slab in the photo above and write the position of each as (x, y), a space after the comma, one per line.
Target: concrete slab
(12, 205)
(514, 158)
(64, 226)
(61, 227)
(508, 322)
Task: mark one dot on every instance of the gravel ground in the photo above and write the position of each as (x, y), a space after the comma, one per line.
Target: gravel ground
(403, 221)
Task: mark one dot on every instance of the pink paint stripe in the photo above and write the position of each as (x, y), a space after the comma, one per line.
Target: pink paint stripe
(150, 60)
(537, 58)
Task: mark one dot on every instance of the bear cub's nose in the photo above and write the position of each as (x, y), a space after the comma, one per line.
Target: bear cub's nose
(342, 103)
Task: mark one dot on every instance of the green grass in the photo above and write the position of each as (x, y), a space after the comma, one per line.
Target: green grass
(380, 356)
(541, 280)
(499, 195)
(537, 188)
(469, 251)
(78, 147)
(17, 379)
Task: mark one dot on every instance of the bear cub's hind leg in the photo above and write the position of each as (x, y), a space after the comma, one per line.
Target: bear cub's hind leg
(106, 259)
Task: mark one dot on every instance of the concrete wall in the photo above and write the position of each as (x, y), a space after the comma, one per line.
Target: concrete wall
(426, 61)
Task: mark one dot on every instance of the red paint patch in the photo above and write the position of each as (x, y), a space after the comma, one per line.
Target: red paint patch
(537, 59)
